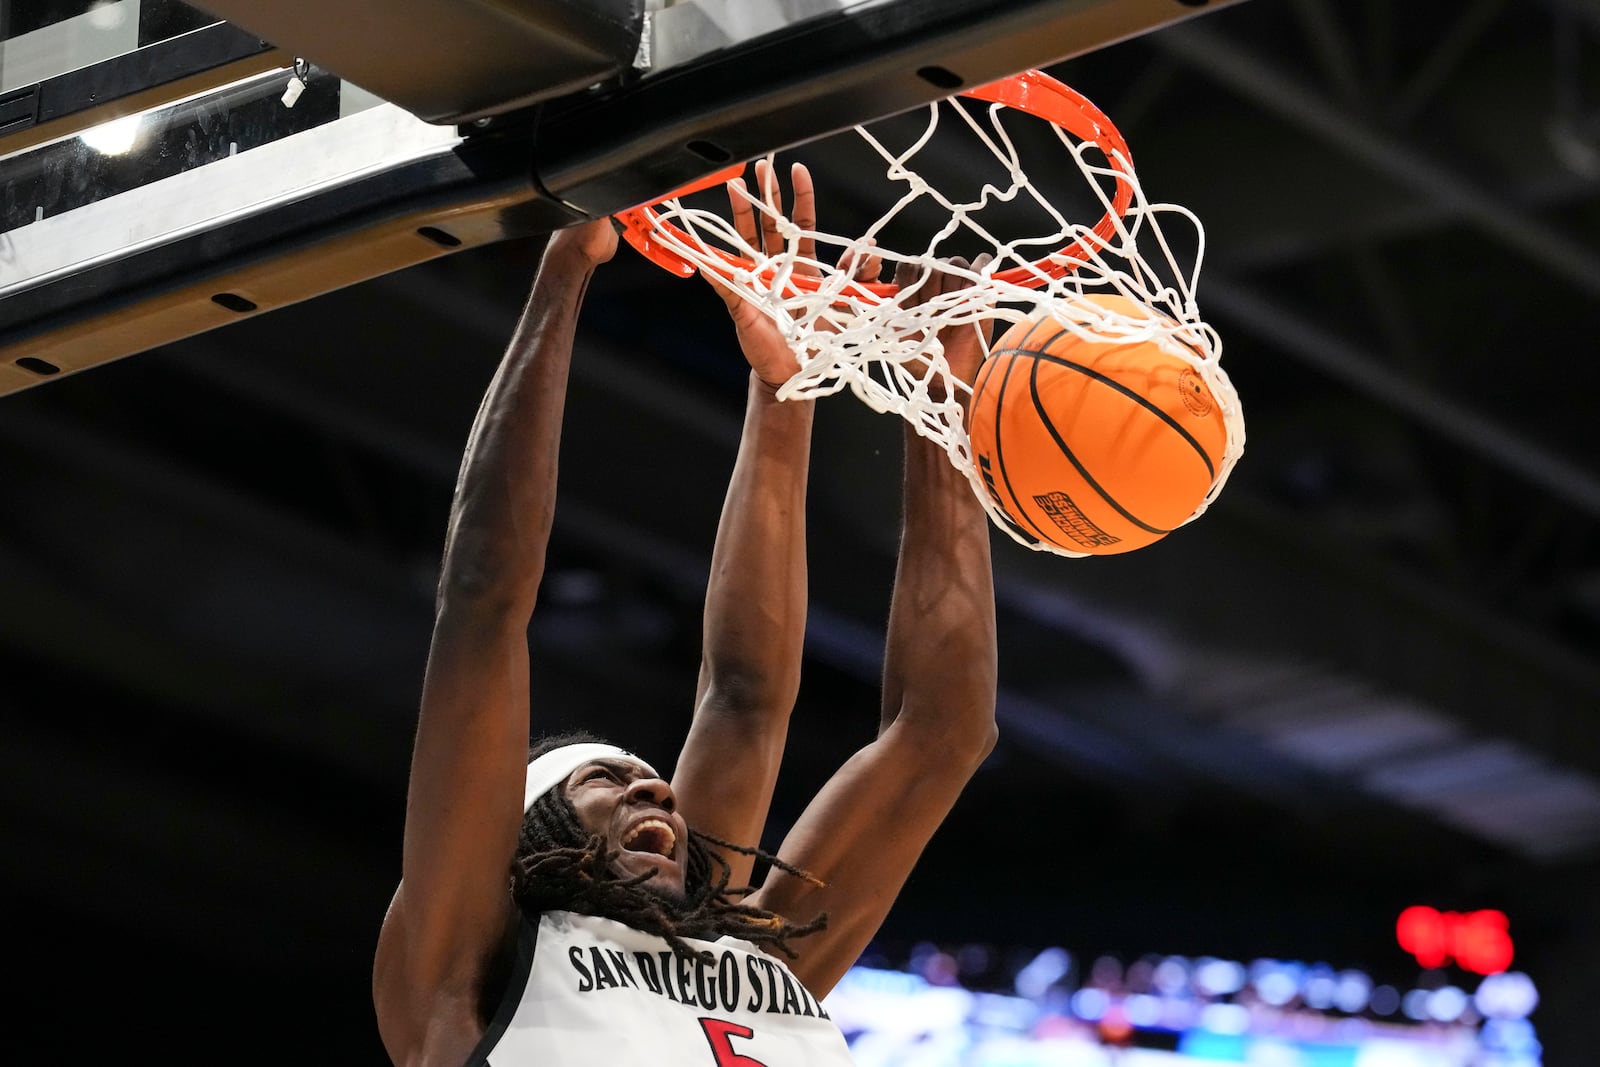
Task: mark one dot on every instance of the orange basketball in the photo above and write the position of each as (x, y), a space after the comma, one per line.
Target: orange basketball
(1095, 447)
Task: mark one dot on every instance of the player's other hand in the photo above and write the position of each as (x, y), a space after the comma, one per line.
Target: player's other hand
(763, 343)
(965, 344)
(595, 241)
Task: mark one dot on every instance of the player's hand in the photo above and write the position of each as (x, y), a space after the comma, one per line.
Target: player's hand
(595, 241)
(764, 346)
(964, 345)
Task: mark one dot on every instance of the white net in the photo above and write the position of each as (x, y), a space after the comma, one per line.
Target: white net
(885, 346)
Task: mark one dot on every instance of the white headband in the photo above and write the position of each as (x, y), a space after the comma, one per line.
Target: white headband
(553, 768)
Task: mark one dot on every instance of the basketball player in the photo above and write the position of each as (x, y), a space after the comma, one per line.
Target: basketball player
(601, 921)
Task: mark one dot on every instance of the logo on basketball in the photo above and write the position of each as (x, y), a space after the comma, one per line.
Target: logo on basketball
(1073, 522)
(1195, 395)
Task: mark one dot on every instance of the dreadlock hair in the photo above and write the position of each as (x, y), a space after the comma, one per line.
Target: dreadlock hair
(559, 866)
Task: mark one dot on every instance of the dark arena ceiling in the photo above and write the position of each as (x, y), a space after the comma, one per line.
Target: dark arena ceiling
(1369, 677)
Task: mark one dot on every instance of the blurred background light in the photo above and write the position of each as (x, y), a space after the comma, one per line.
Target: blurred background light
(1090, 1003)
(1385, 1000)
(1225, 1018)
(1320, 987)
(1143, 1009)
(1446, 1004)
(1276, 984)
(1172, 976)
(1219, 977)
(1508, 995)
(1043, 971)
(1353, 992)
(1106, 973)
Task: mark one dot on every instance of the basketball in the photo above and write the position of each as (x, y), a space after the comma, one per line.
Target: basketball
(1093, 446)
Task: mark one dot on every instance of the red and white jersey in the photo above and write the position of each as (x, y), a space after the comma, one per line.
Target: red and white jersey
(587, 990)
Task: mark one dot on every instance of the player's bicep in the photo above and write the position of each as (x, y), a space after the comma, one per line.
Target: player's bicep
(861, 836)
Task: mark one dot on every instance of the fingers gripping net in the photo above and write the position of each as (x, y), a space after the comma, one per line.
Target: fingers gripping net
(887, 342)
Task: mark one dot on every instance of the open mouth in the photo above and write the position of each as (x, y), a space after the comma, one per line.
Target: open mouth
(652, 836)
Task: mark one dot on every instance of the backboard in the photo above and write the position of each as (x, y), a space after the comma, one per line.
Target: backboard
(167, 172)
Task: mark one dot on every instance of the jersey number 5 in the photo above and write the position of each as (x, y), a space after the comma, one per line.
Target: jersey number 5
(720, 1033)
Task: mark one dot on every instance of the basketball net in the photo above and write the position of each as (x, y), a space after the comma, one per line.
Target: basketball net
(863, 336)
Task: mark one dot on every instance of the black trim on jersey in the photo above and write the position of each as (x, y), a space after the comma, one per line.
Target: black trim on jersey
(516, 985)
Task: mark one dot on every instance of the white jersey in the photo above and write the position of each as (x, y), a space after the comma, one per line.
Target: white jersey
(587, 990)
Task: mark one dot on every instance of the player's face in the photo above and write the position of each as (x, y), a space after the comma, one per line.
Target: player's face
(637, 815)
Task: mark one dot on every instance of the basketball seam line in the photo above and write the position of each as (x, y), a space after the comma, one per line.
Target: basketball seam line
(999, 456)
(1112, 383)
(1038, 407)
(1000, 461)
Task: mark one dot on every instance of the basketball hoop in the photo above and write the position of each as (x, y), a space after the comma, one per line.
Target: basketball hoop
(849, 332)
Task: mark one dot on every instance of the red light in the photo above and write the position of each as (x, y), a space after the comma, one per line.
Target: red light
(1423, 933)
(1483, 942)
(1479, 941)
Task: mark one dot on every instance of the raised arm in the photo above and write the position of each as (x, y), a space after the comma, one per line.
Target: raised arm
(754, 629)
(453, 911)
(867, 827)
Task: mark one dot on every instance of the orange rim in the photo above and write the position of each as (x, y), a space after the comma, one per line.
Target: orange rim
(1032, 91)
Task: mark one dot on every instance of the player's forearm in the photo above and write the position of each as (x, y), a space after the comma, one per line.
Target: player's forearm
(940, 658)
(756, 595)
(504, 502)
